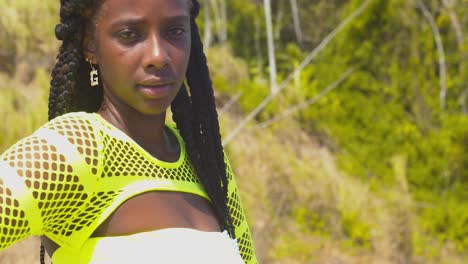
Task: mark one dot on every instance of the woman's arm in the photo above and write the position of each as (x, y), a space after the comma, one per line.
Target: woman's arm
(15, 218)
(242, 230)
(45, 179)
(20, 181)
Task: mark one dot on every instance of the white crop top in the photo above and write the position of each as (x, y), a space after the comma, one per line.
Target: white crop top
(168, 246)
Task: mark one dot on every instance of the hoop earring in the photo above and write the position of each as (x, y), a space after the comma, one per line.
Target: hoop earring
(93, 75)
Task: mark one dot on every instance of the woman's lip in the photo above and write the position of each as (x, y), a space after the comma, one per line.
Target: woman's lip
(155, 91)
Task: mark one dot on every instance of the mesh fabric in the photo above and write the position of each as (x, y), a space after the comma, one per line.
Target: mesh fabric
(70, 175)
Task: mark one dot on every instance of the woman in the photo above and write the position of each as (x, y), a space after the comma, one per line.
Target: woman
(106, 180)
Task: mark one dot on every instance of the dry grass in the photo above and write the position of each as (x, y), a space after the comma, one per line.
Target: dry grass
(303, 209)
(24, 252)
(23, 107)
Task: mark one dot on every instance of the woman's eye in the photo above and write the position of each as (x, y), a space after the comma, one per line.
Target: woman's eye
(177, 32)
(128, 35)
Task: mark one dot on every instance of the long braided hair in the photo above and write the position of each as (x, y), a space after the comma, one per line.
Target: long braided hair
(194, 112)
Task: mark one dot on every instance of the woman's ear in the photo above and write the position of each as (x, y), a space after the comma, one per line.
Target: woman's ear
(89, 46)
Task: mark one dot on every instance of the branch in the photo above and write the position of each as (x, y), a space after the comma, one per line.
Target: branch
(218, 19)
(291, 76)
(297, 22)
(224, 33)
(307, 103)
(440, 50)
(457, 28)
(207, 36)
(462, 100)
(455, 22)
(230, 103)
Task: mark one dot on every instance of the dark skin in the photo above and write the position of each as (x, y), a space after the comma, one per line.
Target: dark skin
(142, 48)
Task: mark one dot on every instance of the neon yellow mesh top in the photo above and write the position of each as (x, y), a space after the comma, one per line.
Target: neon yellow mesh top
(64, 180)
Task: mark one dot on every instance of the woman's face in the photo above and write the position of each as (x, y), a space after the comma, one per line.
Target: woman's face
(142, 48)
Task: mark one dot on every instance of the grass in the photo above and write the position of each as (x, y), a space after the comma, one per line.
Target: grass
(23, 107)
(303, 209)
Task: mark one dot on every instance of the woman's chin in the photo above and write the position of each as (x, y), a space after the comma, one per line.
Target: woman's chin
(153, 110)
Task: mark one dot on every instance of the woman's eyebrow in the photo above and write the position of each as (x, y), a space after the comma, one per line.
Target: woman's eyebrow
(137, 20)
(179, 17)
(134, 21)
(127, 21)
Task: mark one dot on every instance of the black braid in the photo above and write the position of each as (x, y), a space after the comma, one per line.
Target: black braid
(206, 127)
(195, 115)
(42, 254)
(71, 67)
(201, 134)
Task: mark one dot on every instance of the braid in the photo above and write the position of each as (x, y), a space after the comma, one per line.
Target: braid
(71, 68)
(64, 73)
(42, 254)
(197, 120)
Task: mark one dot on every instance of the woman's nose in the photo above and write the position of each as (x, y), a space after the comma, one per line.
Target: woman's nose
(156, 53)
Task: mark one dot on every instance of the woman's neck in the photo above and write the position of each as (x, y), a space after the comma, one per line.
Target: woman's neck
(146, 130)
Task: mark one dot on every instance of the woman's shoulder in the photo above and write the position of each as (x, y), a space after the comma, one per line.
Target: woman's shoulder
(74, 137)
(76, 121)
(71, 130)
(79, 128)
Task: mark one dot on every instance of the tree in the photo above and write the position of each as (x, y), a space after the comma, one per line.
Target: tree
(271, 47)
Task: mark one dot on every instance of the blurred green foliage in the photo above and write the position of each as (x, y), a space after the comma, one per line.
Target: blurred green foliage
(388, 107)
(27, 33)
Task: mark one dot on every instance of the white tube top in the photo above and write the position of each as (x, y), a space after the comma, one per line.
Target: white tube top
(168, 246)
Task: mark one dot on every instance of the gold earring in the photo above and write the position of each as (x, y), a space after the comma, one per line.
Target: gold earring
(93, 75)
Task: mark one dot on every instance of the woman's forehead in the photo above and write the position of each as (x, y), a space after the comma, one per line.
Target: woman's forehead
(110, 8)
